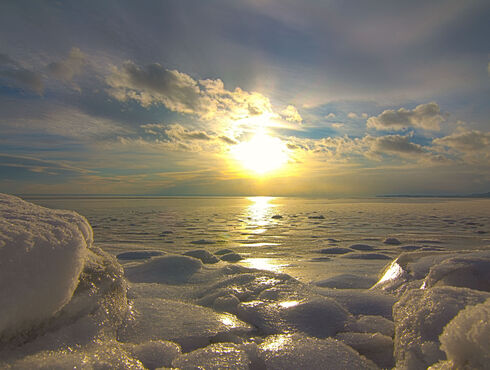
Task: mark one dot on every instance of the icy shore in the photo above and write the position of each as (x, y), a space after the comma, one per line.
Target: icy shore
(66, 303)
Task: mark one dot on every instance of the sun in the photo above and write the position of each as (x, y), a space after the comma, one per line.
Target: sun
(261, 154)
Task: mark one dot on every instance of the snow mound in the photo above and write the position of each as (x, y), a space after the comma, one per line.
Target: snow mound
(361, 247)
(295, 351)
(214, 357)
(392, 241)
(189, 325)
(466, 338)
(203, 255)
(166, 269)
(155, 353)
(231, 257)
(335, 250)
(42, 253)
(372, 324)
(375, 346)
(420, 316)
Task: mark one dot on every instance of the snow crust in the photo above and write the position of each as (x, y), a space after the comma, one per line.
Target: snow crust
(42, 252)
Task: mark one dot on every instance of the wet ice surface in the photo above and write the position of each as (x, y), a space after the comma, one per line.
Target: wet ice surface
(260, 283)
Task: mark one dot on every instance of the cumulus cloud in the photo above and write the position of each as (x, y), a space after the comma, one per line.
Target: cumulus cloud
(337, 125)
(425, 116)
(330, 116)
(178, 132)
(207, 99)
(15, 74)
(352, 115)
(70, 67)
(395, 144)
(466, 141)
(291, 114)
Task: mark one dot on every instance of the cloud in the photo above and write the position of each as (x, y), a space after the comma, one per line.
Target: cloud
(14, 73)
(330, 115)
(395, 144)
(337, 125)
(70, 67)
(291, 114)
(177, 132)
(352, 115)
(425, 116)
(466, 140)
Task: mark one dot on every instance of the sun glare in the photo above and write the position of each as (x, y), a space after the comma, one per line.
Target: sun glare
(262, 154)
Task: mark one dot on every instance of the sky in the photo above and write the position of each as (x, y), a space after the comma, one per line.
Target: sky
(245, 97)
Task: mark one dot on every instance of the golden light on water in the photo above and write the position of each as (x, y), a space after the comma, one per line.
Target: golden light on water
(261, 154)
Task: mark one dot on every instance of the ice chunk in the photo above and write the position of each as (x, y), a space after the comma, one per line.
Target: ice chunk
(203, 255)
(372, 324)
(361, 303)
(375, 346)
(392, 241)
(42, 252)
(165, 269)
(466, 338)
(214, 357)
(470, 272)
(231, 257)
(155, 353)
(346, 281)
(361, 247)
(420, 316)
(319, 217)
(295, 351)
(138, 255)
(189, 325)
(319, 317)
(276, 217)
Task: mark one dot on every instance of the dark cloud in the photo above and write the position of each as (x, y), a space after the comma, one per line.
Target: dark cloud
(396, 144)
(70, 67)
(228, 140)
(16, 75)
(425, 116)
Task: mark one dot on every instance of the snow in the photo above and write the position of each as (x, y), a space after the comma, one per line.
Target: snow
(41, 256)
(296, 351)
(214, 357)
(67, 303)
(466, 338)
(189, 325)
(203, 255)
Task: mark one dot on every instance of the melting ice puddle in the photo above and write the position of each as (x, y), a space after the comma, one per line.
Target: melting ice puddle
(269, 264)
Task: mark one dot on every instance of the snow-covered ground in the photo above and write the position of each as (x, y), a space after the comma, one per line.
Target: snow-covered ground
(284, 290)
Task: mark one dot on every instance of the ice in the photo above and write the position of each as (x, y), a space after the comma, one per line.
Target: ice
(346, 281)
(42, 253)
(466, 339)
(223, 251)
(372, 324)
(361, 302)
(155, 353)
(202, 254)
(335, 250)
(214, 357)
(420, 316)
(361, 247)
(471, 272)
(392, 241)
(166, 269)
(367, 256)
(189, 325)
(296, 351)
(375, 346)
(138, 255)
(203, 242)
(231, 257)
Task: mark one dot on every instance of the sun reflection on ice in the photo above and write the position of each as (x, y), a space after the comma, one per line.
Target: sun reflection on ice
(268, 264)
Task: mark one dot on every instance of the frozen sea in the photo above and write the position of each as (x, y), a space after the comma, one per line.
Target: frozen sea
(286, 234)
(236, 282)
